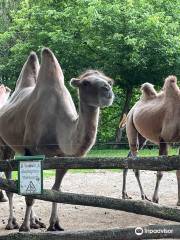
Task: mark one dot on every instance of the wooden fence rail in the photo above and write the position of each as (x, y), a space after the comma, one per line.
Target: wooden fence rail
(149, 232)
(161, 163)
(138, 207)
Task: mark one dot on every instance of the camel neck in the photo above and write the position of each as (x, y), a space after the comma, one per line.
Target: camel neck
(88, 114)
(86, 130)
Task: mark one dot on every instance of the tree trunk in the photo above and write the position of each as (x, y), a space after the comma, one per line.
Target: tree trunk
(161, 163)
(125, 110)
(138, 207)
(148, 232)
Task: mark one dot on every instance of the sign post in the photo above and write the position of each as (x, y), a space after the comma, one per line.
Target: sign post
(30, 175)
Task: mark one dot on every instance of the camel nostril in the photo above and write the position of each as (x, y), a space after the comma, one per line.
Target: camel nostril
(110, 95)
(106, 88)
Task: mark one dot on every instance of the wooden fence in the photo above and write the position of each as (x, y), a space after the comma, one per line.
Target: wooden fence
(162, 163)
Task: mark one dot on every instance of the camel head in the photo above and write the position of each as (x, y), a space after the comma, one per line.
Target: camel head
(95, 89)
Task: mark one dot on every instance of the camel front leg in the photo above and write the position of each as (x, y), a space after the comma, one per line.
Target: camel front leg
(54, 219)
(141, 144)
(7, 153)
(124, 192)
(12, 223)
(163, 150)
(25, 227)
(30, 220)
(156, 191)
(134, 152)
(35, 222)
(136, 141)
(137, 175)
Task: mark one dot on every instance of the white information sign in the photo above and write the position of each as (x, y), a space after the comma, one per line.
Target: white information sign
(30, 177)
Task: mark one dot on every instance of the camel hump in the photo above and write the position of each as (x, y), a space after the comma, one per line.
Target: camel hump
(50, 71)
(29, 72)
(170, 86)
(148, 91)
(171, 79)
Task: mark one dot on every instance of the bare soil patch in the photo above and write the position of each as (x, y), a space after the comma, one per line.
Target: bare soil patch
(104, 183)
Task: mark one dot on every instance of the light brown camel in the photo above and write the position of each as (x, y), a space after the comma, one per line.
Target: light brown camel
(4, 95)
(154, 117)
(41, 119)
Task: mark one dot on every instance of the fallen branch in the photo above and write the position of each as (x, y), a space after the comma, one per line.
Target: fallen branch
(149, 232)
(138, 207)
(161, 163)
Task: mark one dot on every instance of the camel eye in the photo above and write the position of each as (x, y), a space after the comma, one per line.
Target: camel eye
(86, 83)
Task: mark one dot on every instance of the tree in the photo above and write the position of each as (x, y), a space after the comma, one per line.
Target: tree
(131, 41)
(6, 6)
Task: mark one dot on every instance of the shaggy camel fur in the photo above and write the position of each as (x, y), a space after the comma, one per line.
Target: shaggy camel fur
(4, 95)
(154, 117)
(41, 118)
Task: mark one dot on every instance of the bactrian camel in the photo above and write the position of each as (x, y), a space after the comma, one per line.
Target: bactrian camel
(4, 95)
(155, 117)
(41, 118)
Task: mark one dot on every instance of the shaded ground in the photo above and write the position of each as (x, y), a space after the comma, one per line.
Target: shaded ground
(106, 183)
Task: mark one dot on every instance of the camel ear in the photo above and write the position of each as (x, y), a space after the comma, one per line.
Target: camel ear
(75, 82)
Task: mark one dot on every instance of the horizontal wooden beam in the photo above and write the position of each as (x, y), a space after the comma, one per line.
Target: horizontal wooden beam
(138, 207)
(149, 232)
(162, 163)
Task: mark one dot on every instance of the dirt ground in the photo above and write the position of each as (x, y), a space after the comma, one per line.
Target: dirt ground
(105, 183)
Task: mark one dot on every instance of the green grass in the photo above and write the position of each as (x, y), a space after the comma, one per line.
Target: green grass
(108, 153)
(124, 152)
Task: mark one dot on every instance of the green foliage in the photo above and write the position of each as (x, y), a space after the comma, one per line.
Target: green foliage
(131, 41)
(110, 117)
(5, 9)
